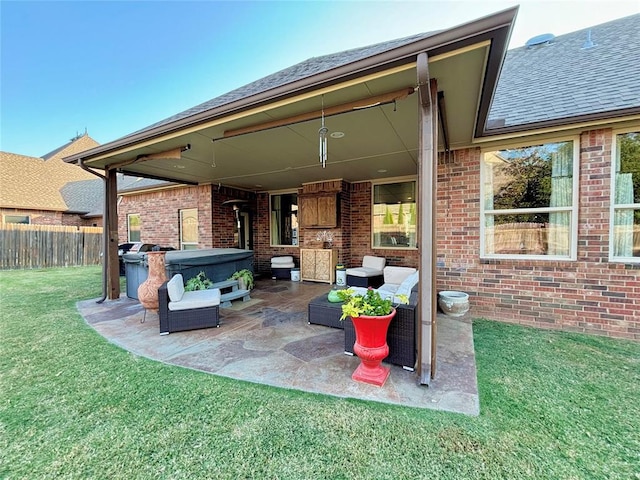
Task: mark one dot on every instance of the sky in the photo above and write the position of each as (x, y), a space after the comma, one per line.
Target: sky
(114, 67)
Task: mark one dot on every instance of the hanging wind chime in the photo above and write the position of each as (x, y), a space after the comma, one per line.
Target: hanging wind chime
(323, 132)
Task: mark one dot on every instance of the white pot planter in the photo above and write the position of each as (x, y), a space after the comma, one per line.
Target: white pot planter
(453, 303)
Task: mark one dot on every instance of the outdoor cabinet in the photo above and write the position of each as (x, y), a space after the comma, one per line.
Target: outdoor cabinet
(318, 211)
(318, 264)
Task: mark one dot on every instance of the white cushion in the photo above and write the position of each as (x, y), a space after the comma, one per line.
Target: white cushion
(377, 263)
(407, 284)
(283, 265)
(396, 275)
(175, 288)
(197, 299)
(363, 272)
(277, 261)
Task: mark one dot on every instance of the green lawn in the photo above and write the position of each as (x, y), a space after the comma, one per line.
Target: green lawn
(553, 406)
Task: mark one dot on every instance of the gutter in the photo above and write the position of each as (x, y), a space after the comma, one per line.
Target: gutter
(435, 44)
(105, 237)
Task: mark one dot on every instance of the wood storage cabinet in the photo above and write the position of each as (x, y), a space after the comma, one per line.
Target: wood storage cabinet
(319, 210)
(318, 264)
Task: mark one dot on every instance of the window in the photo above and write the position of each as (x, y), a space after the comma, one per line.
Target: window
(529, 201)
(17, 219)
(625, 201)
(133, 227)
(394, 215)
(284, 219)
(189, 229)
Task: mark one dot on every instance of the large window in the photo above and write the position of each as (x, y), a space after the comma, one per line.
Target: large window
(529, 201)
(625, 201)
(284, 219)
(133, 227)
(189, 229)
(394, 215)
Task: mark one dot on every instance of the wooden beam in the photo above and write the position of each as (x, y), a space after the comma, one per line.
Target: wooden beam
(427, 183)
(368, 102)
(111, 226)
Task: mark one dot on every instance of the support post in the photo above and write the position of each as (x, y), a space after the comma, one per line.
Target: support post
(427, 199)
(111, 226)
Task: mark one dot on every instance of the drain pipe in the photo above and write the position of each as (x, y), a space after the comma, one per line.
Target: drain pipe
(105, 236)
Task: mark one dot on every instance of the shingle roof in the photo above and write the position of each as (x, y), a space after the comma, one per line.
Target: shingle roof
(85, 197)
(291, 74)
(562, 79)
(33, 183)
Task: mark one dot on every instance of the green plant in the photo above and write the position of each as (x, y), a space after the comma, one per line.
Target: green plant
(370, 304)
(246, 276)
(199, 282)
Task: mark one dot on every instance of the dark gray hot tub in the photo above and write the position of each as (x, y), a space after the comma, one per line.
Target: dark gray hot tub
(218, 264)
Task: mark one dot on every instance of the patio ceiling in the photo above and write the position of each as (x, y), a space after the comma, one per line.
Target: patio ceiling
(378, 142)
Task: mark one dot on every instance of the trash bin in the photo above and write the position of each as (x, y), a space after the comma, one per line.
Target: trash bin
(295, 274)
(136, 272)
(341, 275)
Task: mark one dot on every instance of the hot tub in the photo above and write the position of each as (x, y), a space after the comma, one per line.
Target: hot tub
(218, 264)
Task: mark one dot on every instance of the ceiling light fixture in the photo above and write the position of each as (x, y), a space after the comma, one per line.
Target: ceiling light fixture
(337, 134)
(213, 153)
(322, 133)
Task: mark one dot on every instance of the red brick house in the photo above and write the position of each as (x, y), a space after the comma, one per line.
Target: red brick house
(524, 193)
(48, 191)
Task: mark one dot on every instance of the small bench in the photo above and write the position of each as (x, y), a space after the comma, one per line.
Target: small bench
(235, 293)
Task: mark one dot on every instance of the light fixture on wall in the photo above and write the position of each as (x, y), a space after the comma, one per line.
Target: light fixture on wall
(323, 133)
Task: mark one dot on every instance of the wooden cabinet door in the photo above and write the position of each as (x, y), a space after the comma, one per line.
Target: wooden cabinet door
(308, 211)
(307, 264)
(324, 265)
(327, 211)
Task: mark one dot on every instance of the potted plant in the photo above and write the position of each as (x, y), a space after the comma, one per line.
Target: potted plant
(371, 315)
(199, 282)
(244, 277)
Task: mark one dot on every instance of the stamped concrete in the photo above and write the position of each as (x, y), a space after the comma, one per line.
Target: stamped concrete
(268, 340)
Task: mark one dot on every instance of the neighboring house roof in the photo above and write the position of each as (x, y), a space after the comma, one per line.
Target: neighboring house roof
(35, 184)
(85, 197)
(562, 79)
(307, 68)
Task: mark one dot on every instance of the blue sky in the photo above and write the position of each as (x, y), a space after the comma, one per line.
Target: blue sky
(115, 67)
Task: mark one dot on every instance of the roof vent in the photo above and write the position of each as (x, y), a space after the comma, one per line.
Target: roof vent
(544, 39)
(588, 43)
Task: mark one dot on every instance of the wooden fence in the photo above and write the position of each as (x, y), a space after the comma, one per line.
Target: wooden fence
(43, 246)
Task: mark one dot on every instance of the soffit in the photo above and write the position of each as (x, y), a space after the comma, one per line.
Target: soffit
(379, 142)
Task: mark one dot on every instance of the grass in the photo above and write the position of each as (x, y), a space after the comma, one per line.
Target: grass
(553, 406)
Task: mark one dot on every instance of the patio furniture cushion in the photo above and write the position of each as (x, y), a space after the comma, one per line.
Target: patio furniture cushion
(407, 284)
(396, 275)
(282, 262)
(371, 267)
(175, 288)
(197, 299)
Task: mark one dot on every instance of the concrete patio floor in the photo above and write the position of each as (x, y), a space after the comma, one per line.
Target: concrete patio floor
(268, 340)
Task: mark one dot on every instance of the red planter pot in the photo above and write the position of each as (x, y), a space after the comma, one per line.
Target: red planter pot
(371, 347)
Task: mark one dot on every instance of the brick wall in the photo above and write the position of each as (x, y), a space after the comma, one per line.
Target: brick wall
(590, 295)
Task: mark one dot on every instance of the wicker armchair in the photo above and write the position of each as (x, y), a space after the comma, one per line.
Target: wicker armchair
(187, 319)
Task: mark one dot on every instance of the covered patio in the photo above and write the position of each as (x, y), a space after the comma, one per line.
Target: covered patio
(389, 109)
(269, 341)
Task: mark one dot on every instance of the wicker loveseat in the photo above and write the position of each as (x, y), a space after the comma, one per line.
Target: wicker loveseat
(401, 336)
(179, 310)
